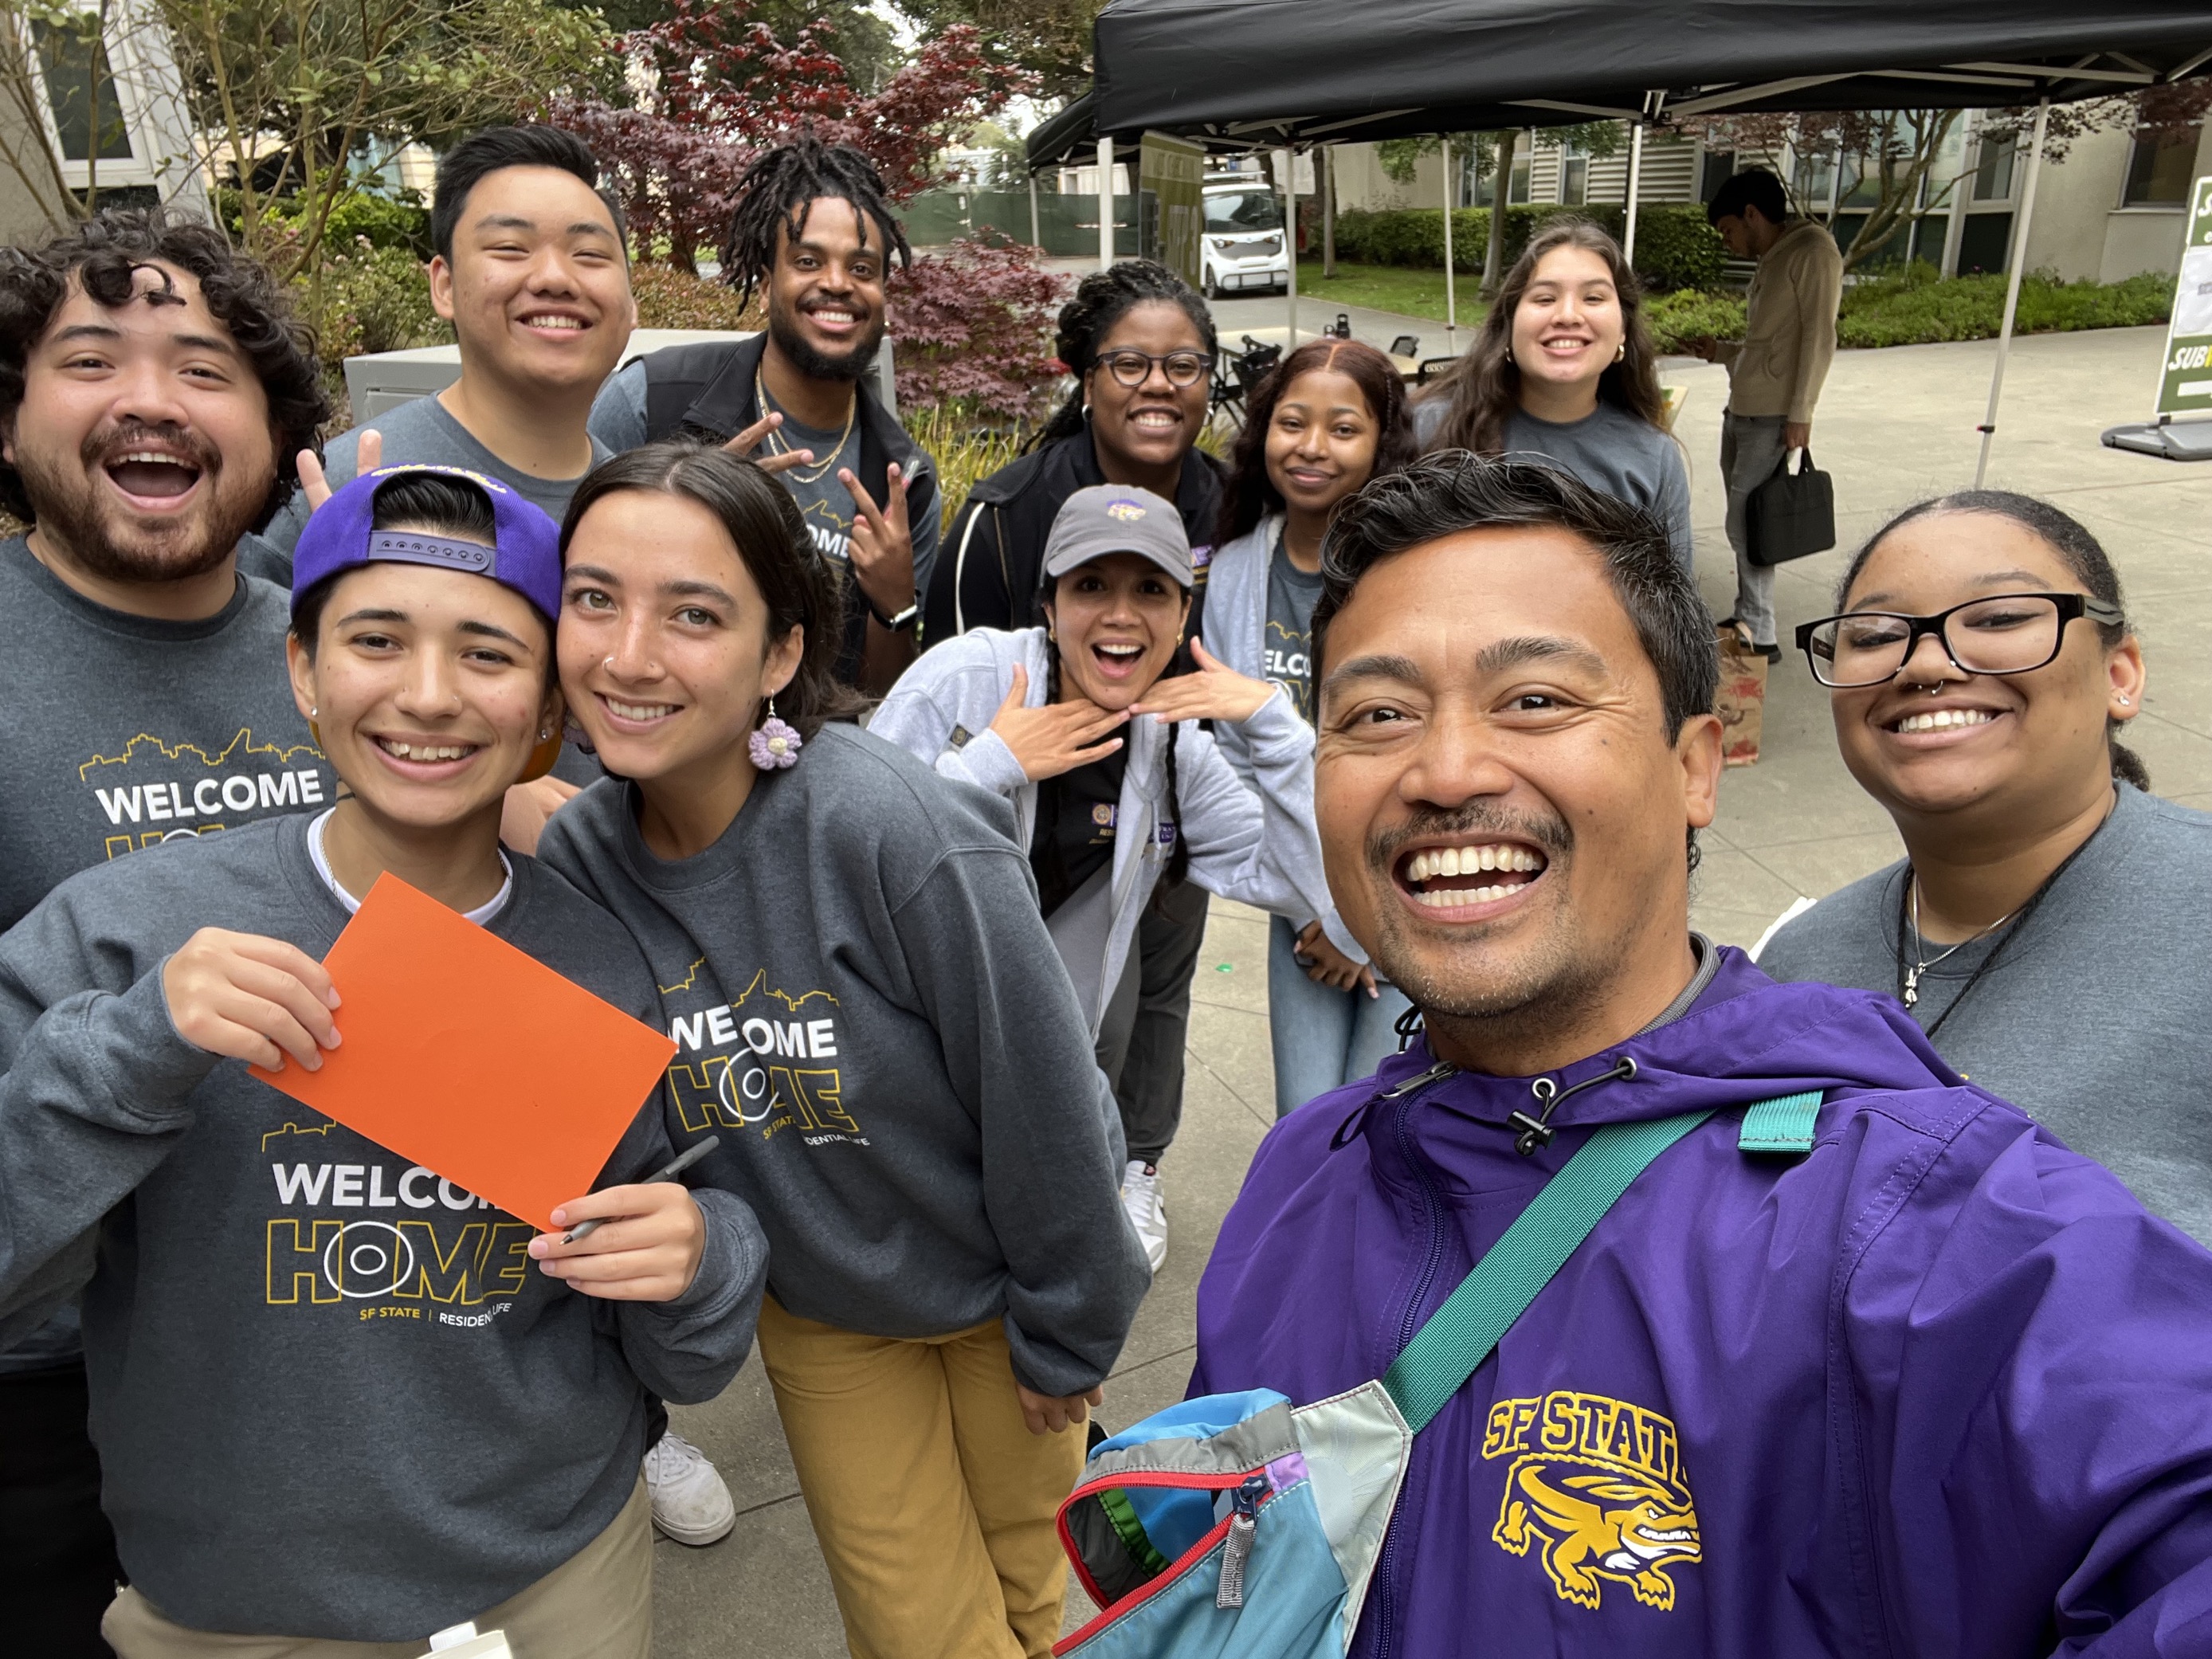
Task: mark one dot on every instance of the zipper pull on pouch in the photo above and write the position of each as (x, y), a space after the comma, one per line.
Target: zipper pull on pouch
(1237, 1549)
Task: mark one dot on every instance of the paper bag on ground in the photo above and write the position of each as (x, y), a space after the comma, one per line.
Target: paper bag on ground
(1742, 703)
(473, 1058)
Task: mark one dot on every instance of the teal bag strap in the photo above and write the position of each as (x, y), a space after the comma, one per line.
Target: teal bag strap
(1459, 1335)
(1783, 1124)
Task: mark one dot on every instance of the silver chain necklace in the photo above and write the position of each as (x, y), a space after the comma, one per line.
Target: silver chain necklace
(1921, 964)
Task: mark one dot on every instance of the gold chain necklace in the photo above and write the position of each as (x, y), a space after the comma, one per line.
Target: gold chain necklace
(779, 445)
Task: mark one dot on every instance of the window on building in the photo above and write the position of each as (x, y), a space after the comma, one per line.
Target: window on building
(1574, 177)
(1993, 169)
(1716, 169)
(73, 62)
(1815, 181)
(1483, 193)
(2160, 168)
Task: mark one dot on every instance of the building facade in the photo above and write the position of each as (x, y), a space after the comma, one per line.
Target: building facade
(2111, 207)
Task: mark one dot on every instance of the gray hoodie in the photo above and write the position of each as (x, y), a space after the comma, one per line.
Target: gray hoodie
(1236, 633)
(332, 1396)
(1256, 844)
(869, 1012)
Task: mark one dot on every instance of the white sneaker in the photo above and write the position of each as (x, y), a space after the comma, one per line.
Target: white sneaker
(1148, 1211)
(690, 1502)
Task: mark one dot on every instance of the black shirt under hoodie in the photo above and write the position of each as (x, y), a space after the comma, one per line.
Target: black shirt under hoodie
(333, 1395)
(988, 567)
(869, 1012)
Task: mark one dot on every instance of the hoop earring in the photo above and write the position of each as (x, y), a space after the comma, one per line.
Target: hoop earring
(774, 745)
(1620, 352)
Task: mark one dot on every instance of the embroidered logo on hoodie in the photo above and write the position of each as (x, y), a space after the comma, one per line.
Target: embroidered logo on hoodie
(1596, 1485)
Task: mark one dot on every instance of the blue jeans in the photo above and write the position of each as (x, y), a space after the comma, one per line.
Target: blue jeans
(1324, 1038)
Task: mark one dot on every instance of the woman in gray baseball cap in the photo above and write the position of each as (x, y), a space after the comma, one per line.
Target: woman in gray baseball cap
(1117, 791)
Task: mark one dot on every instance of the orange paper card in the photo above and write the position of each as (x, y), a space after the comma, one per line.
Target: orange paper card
(473, 1059)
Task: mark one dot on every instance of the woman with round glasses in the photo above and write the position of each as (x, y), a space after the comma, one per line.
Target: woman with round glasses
(1141, 343)
(2047, 925)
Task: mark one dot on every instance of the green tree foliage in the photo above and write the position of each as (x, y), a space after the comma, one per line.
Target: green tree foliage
(1400, 156)
(292, 87)
(1051, 39)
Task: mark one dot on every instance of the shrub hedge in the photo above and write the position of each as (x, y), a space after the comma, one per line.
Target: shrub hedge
(1916, 308)
(1675, 245)
(380, 221)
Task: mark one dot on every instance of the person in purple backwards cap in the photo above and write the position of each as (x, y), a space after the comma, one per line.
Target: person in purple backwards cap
(1929, 1384)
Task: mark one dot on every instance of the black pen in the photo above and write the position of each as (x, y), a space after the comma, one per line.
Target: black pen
(674, 1168)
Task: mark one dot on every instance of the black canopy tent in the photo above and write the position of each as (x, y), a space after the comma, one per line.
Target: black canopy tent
(1254, 73)
(1244, 74)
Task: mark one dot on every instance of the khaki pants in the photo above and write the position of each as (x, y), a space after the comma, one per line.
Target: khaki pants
(596, 1605)
(932, 1502)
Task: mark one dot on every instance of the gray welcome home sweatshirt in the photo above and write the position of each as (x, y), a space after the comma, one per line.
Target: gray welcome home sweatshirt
(333, 1395)
(870, 1013)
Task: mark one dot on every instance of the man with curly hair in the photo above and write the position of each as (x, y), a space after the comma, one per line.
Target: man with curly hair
(814, 232)
(155, 392)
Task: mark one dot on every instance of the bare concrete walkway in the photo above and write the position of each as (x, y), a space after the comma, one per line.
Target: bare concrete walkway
(1894, 426)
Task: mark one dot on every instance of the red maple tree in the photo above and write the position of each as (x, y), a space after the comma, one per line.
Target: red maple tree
(714, 87)
(974, 330)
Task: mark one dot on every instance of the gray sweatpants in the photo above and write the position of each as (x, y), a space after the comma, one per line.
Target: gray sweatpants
(1751, 448)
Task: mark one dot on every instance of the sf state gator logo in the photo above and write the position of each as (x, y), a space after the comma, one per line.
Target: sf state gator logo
(1596, 1485)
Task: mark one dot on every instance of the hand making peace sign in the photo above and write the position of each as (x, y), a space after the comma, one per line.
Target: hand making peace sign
(882, 549)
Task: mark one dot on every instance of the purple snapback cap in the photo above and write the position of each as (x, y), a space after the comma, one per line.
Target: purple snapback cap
(341, 533)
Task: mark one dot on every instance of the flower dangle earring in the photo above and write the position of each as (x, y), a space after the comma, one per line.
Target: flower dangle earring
(773, 745)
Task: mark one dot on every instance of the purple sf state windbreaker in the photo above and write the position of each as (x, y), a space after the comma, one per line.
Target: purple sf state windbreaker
(1941, 1387)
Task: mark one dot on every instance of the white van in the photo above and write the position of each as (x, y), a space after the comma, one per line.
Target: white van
(1241, 249)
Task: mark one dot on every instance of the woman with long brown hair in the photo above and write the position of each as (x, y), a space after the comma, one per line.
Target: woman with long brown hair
(1332, 415)
(1563, 367)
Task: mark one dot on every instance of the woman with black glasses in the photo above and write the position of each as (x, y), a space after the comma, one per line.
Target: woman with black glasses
(2047, 926)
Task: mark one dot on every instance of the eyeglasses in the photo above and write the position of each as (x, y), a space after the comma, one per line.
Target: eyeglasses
(2007, 634)
(1133, 368)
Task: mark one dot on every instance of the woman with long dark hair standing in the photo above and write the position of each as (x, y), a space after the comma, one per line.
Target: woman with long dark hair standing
(1141, 343)
(870, 1014)
(1565, 367)
(2047, 925)
(1331, 417)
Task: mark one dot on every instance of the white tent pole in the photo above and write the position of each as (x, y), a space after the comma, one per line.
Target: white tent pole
(1105, 202)
(1289, 159)
(2012, 284)
(1451, 288)
(1036, 234)
(1635, 181)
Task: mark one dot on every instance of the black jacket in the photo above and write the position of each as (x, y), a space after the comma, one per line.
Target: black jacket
(986, 574)
(707, 390)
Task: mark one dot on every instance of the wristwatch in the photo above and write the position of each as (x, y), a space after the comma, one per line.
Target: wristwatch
(905, 619)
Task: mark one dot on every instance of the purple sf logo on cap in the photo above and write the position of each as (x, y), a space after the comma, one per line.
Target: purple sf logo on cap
(1127, 512)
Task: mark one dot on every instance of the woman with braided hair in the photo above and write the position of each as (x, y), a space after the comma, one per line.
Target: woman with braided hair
(1118, 793)
(1141, 345)
(815, 234)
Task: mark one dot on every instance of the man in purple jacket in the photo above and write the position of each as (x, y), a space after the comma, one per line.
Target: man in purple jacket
(1936, 1385)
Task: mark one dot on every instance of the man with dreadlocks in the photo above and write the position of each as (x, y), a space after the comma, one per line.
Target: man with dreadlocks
(1141, 345)
(814, 232)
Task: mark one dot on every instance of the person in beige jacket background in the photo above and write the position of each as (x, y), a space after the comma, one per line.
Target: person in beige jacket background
(1775, 373)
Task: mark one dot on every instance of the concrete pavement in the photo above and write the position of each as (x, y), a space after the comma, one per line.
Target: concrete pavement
(1893, 426)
